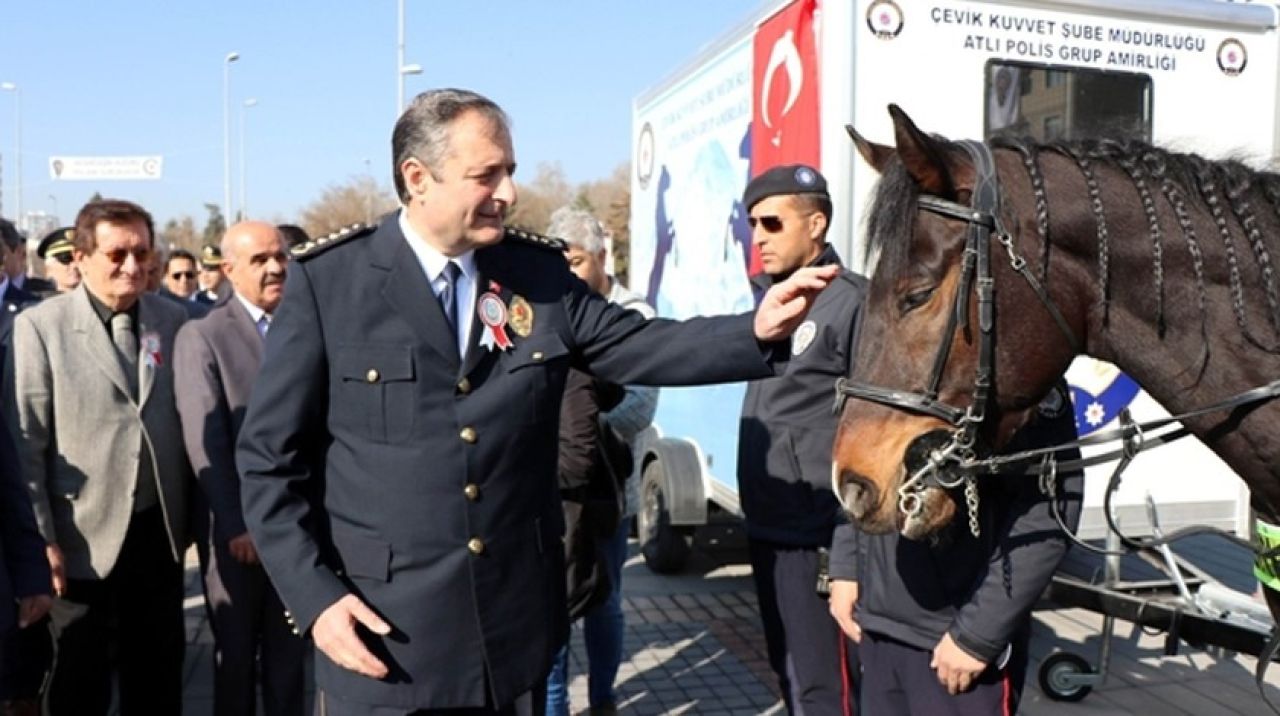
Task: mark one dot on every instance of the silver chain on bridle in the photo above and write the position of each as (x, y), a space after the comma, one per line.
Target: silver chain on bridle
(959, 454)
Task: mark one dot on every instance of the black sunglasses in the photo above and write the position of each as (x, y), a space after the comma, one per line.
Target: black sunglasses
(141, 254)
(182, 274)
(771, 224)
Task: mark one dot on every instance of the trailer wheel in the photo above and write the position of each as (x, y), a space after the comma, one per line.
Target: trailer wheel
(1055, 677)
(665, 548)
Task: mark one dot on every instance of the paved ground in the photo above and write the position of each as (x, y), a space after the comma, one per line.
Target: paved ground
(693, 646)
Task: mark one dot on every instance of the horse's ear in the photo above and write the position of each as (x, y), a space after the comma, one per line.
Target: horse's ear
(922, 156)
(877, 155)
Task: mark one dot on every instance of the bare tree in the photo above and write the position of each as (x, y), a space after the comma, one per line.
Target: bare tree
(547, 191)
(179, 234)
(359, 201)
(610, 200)
(215, 227)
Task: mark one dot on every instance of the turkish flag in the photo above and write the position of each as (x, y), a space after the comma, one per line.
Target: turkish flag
(784, 122)
(785, 85)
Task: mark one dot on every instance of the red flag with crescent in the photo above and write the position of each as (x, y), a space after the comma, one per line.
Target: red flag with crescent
(784, 127)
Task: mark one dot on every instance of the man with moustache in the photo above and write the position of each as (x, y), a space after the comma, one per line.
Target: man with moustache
(398, 459)
(90, 402)
(215, 362)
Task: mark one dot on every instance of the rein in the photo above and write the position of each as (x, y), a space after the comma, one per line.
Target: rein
(959, 453)
(983, 219)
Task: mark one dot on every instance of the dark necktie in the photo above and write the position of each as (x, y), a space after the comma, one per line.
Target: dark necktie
(449, 296)
(126, 342)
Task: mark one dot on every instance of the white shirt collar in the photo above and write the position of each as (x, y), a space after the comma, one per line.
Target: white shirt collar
(432, 260)
(433, 263)
(255, 312)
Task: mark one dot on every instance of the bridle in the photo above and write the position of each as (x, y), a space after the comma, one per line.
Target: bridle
(960, 451)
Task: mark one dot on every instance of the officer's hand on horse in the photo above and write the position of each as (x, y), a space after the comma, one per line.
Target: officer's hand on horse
(335, 634)
(786, 304)
(843, 599)
(956, 669)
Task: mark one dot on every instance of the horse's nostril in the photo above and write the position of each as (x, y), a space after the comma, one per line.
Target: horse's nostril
(858, 492)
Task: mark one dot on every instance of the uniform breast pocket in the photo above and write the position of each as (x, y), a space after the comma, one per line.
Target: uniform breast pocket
(537, 368)
(376, 391)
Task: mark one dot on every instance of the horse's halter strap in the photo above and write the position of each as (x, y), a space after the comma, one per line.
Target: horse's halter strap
(983, 218)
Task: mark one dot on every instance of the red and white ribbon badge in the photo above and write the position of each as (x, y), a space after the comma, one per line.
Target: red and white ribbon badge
(493, 314)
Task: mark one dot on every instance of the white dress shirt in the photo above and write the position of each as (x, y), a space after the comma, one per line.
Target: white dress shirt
(433, 262)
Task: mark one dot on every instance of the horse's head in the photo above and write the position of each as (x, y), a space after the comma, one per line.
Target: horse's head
(931, 387)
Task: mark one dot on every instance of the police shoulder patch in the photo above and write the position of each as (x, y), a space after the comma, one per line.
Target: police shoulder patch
(544, 242)
(320, 244)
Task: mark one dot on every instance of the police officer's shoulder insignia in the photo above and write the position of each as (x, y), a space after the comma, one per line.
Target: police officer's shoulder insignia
(543, 242)
(521, 316)
(803, 337)
(320, 244)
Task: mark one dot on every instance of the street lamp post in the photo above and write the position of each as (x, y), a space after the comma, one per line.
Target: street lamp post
(17, 143)
(226, 133)
(54, 200)
(244, 205)
(401, 68)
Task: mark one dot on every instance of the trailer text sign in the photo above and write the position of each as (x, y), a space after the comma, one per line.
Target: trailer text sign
(1121, 45)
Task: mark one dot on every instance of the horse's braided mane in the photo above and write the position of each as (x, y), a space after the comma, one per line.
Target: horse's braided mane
(1226, 190)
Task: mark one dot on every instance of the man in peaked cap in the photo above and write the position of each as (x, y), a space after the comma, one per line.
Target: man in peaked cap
(57, 252)
(213, 284)
(784, 446)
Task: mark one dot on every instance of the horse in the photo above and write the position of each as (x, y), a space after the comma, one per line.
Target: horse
(995, 264)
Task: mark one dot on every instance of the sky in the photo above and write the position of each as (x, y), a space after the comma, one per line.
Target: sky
(145, 77)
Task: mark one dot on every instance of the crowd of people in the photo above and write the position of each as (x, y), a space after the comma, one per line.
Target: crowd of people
(409, 447)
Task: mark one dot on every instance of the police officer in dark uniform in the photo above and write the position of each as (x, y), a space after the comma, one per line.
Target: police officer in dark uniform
(12, 298)
(943, 624)
(398, 458)
(784, 447)
(57, 250)
(214, 286)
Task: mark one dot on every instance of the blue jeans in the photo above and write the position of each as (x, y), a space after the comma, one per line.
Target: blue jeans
(602, 633)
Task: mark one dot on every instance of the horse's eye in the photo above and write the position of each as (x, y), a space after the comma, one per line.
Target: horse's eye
(916, 299)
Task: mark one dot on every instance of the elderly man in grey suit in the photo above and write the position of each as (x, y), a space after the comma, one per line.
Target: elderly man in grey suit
(215, 362)
(93, 413)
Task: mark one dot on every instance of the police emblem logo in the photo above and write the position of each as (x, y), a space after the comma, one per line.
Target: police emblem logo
(1232, 57)
(803, 337)
(884, 17)
(805, 176)
(521, 316)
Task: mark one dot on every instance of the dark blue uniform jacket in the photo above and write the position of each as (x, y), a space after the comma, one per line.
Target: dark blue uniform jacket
(787, 430)
(374, 461)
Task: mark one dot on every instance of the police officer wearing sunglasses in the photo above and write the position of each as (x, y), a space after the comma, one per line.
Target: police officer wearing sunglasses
(55, 250)
(784, 447)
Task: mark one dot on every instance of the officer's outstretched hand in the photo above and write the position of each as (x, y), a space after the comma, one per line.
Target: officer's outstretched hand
(786, 304)
(335, 634)
(843, 599)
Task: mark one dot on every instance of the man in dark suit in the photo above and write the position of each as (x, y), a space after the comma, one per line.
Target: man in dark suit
(25, 589)
(12, 297)
(90, 402)
(215, 362)
(398, 459)
(15, 264)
